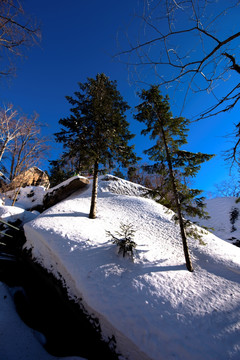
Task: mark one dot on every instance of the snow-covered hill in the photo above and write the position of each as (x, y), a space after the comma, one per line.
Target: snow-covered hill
(220, 210)
(153, 306)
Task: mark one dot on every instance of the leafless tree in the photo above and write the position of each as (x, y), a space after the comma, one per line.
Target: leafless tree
(191, 46)
(21, 142)
(17, 31)
(29, 148)
(10, 126)
(228, 187)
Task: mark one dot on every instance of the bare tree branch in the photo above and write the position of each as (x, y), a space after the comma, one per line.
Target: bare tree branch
(234, 66)
(190, 45)
(16, 32)
(21, 141)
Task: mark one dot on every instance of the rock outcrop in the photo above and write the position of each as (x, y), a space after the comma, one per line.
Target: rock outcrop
(31, 177)
(63, 190)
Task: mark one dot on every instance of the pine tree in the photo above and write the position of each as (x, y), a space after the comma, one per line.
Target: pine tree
(170, 134)
(96, 133)
(59, 171)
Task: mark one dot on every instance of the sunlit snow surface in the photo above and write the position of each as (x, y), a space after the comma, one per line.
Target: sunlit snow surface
(155, 308)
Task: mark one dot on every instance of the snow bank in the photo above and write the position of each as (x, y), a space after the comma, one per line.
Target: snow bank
(154, 307)
(12, 213)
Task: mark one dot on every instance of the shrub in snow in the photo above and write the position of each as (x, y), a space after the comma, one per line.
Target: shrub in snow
(124, 239)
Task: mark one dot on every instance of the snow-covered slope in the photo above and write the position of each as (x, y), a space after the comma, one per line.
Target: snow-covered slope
(220, 209)
(153, 306)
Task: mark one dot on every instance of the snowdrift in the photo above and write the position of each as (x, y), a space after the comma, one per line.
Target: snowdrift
(153, 306)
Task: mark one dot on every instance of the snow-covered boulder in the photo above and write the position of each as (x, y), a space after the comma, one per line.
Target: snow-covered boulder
(63, 190)
(29, 197)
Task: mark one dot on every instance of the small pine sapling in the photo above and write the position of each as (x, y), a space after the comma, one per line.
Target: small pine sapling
(124, 239)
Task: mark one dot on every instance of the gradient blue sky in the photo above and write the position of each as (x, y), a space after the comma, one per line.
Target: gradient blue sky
(79, 38)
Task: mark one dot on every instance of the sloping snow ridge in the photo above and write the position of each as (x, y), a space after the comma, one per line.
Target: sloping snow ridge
(219, 210)
(154, 307)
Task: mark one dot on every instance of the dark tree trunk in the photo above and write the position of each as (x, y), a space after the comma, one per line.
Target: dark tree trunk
(178, 205)
(93, 208)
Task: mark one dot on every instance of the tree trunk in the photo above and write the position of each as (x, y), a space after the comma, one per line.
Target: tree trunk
(15, 195)
(178, 205)
(13, 155)
(3, 148)
(93, 208)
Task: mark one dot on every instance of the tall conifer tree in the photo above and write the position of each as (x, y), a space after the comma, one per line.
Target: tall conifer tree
(97, 131)
(170, 134)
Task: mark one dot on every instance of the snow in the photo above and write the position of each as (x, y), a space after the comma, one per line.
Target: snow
(219, 210)
(153, 306)
(13, 213)
(28, 197)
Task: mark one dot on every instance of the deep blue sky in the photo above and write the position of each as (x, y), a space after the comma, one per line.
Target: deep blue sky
(79, 38)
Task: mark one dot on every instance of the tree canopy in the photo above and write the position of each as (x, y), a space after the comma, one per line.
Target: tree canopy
(155, 113)
(96, 133)
(176, 165)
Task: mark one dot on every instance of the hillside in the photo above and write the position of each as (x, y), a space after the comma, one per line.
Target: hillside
(220, 209)
(153, 306)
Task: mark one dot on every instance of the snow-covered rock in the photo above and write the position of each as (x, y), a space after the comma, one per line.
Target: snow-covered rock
(27, 198)
(63, 190)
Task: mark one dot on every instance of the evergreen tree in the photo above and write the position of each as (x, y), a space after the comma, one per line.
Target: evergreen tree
(59, 171)
(170, 134)
(117, 172)
(96, 133)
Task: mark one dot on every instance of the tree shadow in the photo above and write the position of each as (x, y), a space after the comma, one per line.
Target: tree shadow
(108, 272)
(72, 214)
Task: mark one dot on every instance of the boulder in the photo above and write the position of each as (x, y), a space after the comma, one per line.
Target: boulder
(63, 190)
(31, 177)
(4, 181)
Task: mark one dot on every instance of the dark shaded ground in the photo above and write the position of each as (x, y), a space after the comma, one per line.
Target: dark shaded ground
(42, 303)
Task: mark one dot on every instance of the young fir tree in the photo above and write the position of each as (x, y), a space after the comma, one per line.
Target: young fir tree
(96, 132)
(170, 134)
